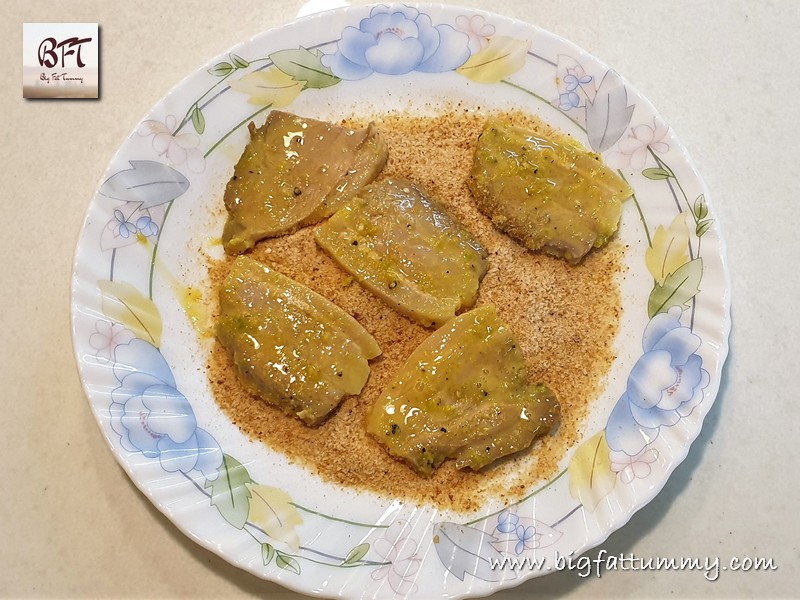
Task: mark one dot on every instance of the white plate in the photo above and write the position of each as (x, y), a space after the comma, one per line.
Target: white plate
(157, 210)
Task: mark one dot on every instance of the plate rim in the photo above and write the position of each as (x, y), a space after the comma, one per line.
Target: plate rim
(724, 327)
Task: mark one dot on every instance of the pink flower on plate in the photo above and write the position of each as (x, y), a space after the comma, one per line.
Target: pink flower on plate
(633, 149)
(106, 337)
(178, 148)
(399, 552)
(629, 467)
(478, 30)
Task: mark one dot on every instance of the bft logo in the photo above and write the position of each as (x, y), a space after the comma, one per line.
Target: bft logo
(60, 60)
(48, 57)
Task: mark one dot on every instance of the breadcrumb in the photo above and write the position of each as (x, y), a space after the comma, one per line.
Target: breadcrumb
(565, 318)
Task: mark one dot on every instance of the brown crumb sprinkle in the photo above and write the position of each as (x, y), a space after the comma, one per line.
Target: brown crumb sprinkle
(565, 318)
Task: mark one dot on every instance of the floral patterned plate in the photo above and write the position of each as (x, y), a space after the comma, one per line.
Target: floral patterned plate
(139, 283)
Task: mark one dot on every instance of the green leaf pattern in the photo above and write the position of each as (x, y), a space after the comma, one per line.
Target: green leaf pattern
(239, 62)
(287, 562)
(656, 173)
(229, 492)
(356, 554)
(267, 552)
(198, 120)
(678, 288)
(305, 65)
(221, 69)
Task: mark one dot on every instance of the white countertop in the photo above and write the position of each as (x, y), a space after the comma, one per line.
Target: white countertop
(724, 75)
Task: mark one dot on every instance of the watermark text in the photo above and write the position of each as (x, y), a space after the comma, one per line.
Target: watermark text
(587, 566)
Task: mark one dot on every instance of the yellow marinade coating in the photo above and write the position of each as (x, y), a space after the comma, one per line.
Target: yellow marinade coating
(403, 247)
(549, 193)
(294, 172)
(291, 346)
(463, 394)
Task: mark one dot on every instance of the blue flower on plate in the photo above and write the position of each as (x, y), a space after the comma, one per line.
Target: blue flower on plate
(569, 100)
(152, 417)
(507, 522)
(394, 41)
(126, 228)
(572, 81)
(526, 536)
(665, 384)
(147, 226)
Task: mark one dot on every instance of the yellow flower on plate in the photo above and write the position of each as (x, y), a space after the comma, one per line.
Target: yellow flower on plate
(503, 56)
(273, 511)
(269, 87)
(670, 249)
(590, 475)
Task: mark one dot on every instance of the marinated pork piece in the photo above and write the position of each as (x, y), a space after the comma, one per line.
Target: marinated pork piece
(291, 346)
(404, 248)
(295, 172)
(463, 394)
(550, 194)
